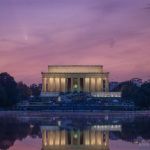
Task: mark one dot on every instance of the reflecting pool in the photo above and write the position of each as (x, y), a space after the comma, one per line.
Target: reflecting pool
(72, 131)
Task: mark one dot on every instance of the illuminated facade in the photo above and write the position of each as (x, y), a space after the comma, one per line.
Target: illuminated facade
(70, 78)
(96, 137)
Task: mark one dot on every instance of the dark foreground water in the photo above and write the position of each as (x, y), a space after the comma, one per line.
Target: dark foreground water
(89, 131)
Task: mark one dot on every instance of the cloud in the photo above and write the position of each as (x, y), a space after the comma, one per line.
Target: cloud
(147, 7)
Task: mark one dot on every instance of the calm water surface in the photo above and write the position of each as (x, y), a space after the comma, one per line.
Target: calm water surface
(47, 131)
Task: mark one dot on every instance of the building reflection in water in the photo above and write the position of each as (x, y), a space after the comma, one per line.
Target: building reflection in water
(95, 137)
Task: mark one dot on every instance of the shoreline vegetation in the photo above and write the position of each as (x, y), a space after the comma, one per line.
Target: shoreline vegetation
(62, 113)
(12, 93)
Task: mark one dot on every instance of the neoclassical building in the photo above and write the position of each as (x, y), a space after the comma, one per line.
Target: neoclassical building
(70, 78)
(92, 138)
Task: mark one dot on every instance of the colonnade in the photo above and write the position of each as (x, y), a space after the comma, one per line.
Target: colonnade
(96, 137)
(96, 85)
(53, 84)
(90, 84)
(86, 138)
(52, 138)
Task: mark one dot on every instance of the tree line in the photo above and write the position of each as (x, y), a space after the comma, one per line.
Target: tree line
(12, 92)
(140, 95)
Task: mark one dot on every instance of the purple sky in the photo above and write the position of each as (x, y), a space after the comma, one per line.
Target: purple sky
(38, 33)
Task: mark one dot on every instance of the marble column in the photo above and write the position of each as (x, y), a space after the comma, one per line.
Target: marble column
(89, 84)
(103, 90)
(86, 137)
(49, 86)
(44, 84)
(59, 83)
(57, 138)
(79, 85)
(98, 84)
(65, 85)
(99, 138)
(92, 89)
(56, 84)
(60, 86)
(63, 138)
(96, 88)
(52, 137)
(92, 137)
(48, 137)
(44, 140)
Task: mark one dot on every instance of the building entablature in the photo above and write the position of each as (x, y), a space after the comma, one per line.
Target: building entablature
(79, 75)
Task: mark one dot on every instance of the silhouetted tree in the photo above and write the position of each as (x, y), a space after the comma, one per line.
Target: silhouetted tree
(24, 92)
(129, 90)
(143, 96)
(35, 90)
(3, 96)
(140, 95)
(8, 89)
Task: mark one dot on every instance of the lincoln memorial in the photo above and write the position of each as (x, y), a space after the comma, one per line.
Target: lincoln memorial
(70, 78)
(92, 138)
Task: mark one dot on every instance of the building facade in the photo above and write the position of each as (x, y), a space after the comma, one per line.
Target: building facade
(70, 78)
(95, 137)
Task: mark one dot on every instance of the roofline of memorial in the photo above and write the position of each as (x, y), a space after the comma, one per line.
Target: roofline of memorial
(74, 72)
(75, 65)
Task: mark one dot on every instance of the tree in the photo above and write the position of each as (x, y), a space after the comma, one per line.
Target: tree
(143, 96)
(139, 95)
(8, 90)
(35, 90)
(128, 89)
(3, 96)
(24, 92)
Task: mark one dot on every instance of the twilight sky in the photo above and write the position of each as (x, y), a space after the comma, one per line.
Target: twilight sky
(113, 33)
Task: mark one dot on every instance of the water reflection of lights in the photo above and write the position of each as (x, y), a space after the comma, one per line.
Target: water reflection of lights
(31, 125)
(107, 127)
(96, 136)
(59, 123)
(75, 136)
